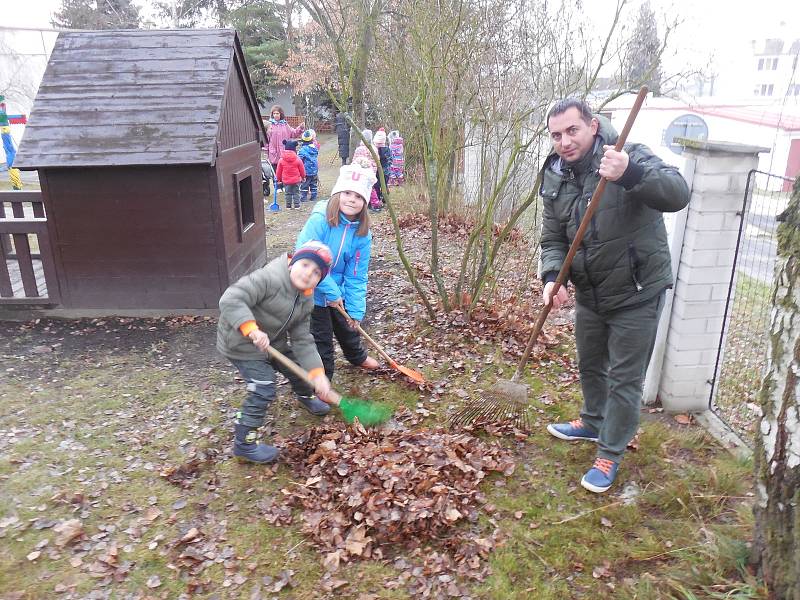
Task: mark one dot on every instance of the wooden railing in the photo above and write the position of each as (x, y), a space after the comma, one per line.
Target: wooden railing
(27, 270)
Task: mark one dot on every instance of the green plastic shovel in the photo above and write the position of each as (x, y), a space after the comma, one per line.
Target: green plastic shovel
(368, 413)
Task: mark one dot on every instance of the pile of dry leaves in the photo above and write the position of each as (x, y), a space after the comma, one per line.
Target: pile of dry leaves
(385, 493)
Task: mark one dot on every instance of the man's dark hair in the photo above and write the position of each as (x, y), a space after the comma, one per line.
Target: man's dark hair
(564, 105)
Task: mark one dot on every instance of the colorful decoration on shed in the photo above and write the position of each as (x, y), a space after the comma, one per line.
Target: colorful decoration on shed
(8, 146)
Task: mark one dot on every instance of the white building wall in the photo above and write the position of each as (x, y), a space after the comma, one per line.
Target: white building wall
(658, 113)
(23, 59)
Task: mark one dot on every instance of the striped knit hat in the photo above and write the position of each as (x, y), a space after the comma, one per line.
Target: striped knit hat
(317, 252)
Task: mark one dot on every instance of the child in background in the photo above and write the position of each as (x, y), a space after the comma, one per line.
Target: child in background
(397, 166)
(342, 223)
(290, 173)
(375, 203)
(309, 154)
(314, 138)
(271, 307)
(363, 151)
(385, 157)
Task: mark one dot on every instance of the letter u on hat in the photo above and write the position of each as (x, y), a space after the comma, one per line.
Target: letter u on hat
(355, 178)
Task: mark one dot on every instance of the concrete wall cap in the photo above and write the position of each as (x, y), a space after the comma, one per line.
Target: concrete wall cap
(711, 146)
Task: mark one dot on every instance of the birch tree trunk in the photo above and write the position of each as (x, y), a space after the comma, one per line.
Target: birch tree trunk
(776, 548)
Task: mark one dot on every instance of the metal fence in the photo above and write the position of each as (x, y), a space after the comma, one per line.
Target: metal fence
(742, 352)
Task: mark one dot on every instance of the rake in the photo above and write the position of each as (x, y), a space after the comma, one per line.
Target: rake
(508, 399)
(368, 413)
(415, 376)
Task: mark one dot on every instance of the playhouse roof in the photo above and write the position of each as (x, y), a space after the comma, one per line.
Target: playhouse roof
(135, 97)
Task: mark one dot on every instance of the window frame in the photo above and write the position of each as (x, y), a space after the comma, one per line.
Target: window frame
(239, 177)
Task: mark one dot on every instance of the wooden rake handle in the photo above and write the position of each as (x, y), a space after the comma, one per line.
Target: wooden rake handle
(573, 248)
(333, 397)
(360, 329)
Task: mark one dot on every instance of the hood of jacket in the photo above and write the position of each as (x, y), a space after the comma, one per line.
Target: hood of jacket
(290, 156)
(309, 149)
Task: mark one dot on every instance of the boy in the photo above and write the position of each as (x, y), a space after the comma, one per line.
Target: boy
(271, 306)
(309, 155)
(290, 173)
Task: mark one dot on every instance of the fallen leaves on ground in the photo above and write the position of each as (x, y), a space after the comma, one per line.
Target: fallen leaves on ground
(68, 531)
(366, 494)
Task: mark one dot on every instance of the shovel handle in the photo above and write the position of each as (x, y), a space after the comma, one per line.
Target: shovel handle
(375, 344)
(578, 240)
(333, 397)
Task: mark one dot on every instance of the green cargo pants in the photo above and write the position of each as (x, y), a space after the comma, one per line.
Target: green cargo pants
(614, 350)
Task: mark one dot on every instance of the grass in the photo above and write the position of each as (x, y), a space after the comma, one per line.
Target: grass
(746, 343)
(86, 430)
(683, 535)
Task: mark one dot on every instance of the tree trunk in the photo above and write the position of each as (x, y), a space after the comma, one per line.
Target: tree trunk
(358, 74)
(776, 548)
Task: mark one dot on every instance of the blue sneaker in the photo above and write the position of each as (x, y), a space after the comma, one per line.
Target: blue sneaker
(600, 477)
(574, 430)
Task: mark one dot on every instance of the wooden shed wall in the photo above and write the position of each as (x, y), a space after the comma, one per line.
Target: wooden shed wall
(238, 123)
(244, 251)
(135, 237)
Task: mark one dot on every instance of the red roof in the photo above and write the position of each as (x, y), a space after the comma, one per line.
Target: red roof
(769, 116)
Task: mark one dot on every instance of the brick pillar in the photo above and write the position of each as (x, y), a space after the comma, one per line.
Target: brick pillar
(704, 271)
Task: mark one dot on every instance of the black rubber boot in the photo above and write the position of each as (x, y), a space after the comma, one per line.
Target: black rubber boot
(314, 405)
(246, 446)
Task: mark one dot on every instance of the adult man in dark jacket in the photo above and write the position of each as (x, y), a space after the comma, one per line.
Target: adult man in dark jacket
(620, 272)
(343, 135)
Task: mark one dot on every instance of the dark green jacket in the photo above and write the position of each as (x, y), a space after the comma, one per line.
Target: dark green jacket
(624, 259)
(267, 297)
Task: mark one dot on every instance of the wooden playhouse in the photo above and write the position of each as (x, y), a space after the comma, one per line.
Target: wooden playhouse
(147, 145)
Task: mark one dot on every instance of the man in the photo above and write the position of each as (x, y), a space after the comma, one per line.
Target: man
(620, 272)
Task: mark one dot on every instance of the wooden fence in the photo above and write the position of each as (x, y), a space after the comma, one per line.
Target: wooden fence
(27, 271)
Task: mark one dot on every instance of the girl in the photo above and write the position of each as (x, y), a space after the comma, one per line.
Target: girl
(363, 151)
(279, 130)
(343, 224)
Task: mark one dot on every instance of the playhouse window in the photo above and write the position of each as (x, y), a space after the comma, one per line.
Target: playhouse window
(244, 201)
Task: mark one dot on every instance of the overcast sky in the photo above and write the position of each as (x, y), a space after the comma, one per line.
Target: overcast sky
(710, 25)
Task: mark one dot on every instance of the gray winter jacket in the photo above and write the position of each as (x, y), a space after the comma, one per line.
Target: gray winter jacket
(267, 297)
(624, 259)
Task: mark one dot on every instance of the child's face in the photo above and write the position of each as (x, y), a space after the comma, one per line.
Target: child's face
(305, 274)
(276, 114)
(350, 203)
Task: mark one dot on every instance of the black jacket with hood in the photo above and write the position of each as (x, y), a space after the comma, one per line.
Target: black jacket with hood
(624, 259)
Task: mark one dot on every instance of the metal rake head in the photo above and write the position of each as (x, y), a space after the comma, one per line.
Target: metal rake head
(496, 406)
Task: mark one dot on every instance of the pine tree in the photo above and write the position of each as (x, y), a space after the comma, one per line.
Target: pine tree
(642, 64)
(103, 14)
(263, 36)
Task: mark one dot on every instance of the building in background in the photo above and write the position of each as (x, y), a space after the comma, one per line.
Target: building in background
(23, 58)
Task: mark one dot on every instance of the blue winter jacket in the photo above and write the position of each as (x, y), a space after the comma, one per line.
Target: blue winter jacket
(348, 275)
(308, 154)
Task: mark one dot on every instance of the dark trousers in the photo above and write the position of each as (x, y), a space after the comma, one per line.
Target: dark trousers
(259, 376)
(325, 324)
(292, 193)
(309, 185)
(614, 350)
